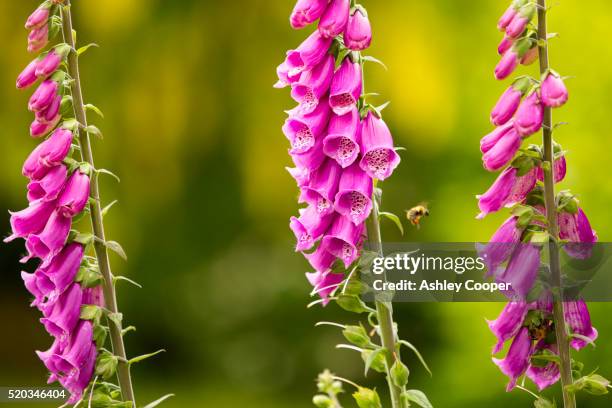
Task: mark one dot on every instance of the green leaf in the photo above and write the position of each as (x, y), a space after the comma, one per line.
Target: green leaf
(94, 109)
(369, 58)
(351, 303)
(89, 277)
(418, 354)
(144, 356)
(418, 397)
(84, 48)
(116, 248)
(127, 330)
(106, 365)
(396, 220)
(93, 130)
(124, 278)
(90, 312)
(357, 335)
(374, 359)
(99, 334)
(83, 238)
(593, 384)
(158, 401)
(367, 398)
(399, 373)
(108, 207)
(110, 173)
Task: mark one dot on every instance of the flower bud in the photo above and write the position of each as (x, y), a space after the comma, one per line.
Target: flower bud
(554, 92)
(334, 19)
(358, 33)
(38, 18)
(38, 38)
(48, 187)
(500, 153)
(506, 106)
(40, 129)
(517, 26)
(507, 64)
(43, 96)
(48, 154)
(49, 64)
(506, 18)
(75, 195)
(530, 115)
(28, 75)
(306, 12)
(505, 44)
(51, 112)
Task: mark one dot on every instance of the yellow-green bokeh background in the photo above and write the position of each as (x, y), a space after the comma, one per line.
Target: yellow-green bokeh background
(193, 129)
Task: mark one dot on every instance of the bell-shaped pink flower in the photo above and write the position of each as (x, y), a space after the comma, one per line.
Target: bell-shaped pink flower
(39, 285)
(500, 153)
(321, 260)
(547, 375)
(522, 269)
(529, 116)
(313, 84)
(358, 33)
(500, 246)
(379, 156)
(559, 169)
(40, 129)
(75, 195)
(508, 190)
(38, 38)
(343, 239)
(49, 64)
(323, 187)
(51, 113)
(335, 18)
(50, 241)
(490, 140)
(505, 44)
(28, 75)
(77, 383)
(308, 55)
(64, 315)
(306, 12)
(311, 160)
(38, 18)
(576, 228)
(304, 130)
(579, 321)
(309, 227)
(62, 270)
(517, 360)
(324, 283)
(76, 352)
(43, 96)
(48, 154)
(48, 187)
(506, 106)
(353, 199)
(508, 324)
(506, 18)
(507, 64)
(345, 87)
(31, 220)
(342, 140)
(519, 22)
(554, 92)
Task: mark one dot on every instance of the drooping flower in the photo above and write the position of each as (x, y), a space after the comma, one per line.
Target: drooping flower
(306, 12)
(309, 227)
(75, 195)
(345, 87)
(522, 269)
(43, 96)
(507, 64)
(51, 62)
(48, 154)
(322, 189)
(530, 115)
(324, 283)
(519, 22)
(506, 18)
(547, 374)
(40, 129)
(517, 360)
(379, 155)
(50, 241)
(358, 33)
(342, 140)
(308, 55)
(509, 322)
(576, 228)
(334, 19)
(501, 245)
(353, 199)
(508, 103)
(507, 190)
(27, 77)
(554, 92)
(49, 186)
(342, 239)
(505, 44)
(313, 85)
(38, 38)
(499, 147)
(31, 220)
(303, 130)
(39, 17)
(559, 170)
(579, 321)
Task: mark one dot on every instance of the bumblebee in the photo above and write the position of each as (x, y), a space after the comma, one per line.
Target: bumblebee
(415, 214)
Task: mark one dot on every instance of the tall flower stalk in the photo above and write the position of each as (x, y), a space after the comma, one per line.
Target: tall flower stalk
(341, 149)
(74, 291)
(541, 331)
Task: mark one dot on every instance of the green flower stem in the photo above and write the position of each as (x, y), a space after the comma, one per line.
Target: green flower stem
(384, 311)
(565, 366)
(123, 369)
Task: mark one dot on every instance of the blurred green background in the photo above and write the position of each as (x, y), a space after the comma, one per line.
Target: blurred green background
(193, 130)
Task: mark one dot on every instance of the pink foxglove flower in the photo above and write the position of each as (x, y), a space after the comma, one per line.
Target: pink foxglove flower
(559, 170)
(530, 115)
(49, 186)
(519, 22)
(38, 18)
(48, 154)
(51, 62)
(522, 269)
(353, 199)
(321, 259)
(505, 44)
(509, 322)
(308, 55)
(379, 155)
(530, 56)
(75, 195)
(62, 318)
(335, 18)
(358, 33)
(43, 96)
(554, 92)
(322, 189)
(31, 220)
(579, 321)
(342, 140)
(345, 87)
(547, 375)
(501, 245)
(498, 153)
(517, 360)
(343, 239)
(506, 18)
(40, 129)
(50, 241)
(38, 39)
(506, 106)
(507, 190)
(324, 283)
(306, 12)
(313, 85)
(303, 131)
(50, 113)
(309, 227)
(576, 228)
(507, 64)
(28, 75)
